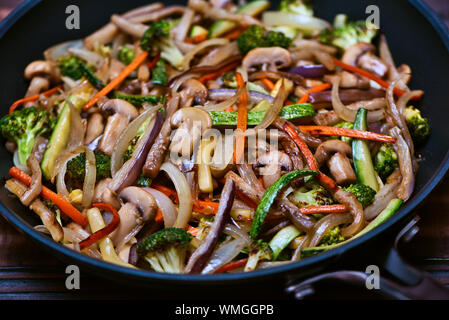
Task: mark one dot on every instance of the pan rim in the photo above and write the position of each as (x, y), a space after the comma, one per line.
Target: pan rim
(87, 261)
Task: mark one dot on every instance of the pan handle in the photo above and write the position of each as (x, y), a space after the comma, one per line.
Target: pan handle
(409, 283)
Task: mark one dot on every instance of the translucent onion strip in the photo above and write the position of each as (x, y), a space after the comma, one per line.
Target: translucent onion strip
(327, 223)
(225, 104)
(166, 206)
(184, 194)
(272, 113)
(89, 178)
(208, 43)
(125, 138)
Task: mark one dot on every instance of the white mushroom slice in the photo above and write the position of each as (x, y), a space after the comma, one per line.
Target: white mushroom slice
(272, 59)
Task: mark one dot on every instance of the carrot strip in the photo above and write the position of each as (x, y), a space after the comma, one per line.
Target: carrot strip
(32, 98)
(336, 208)
(370, 76)
(235, 34)
(100, 234)
(219, 73)
(325, 180)
(119, 79)
(46, 193)
(241, 120)
(268, 83)
(159, 217)
(318, 88)
(201, 206)
(199, 38)
(193, 231)
(232, 265)
(152, 63)
(345, 132)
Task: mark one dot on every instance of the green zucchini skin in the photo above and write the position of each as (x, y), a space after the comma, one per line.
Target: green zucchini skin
(270, 195)
(361, 154)
(291, 113)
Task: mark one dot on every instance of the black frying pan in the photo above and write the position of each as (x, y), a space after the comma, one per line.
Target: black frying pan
(416, 37)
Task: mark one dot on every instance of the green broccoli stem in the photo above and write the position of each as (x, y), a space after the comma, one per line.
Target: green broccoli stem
(282, 239)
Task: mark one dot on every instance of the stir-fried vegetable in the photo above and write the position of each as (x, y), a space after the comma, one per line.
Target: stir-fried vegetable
(24, 126)
(215, 137)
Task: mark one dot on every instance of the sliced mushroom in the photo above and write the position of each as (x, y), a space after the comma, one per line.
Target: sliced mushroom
(350, 80)
(193, 91)
(139, 207)
(329, 147)
(124, 113)
(38, 68)
(341, 169)
(143, 200)
(102, 193)
(190, 123)
(271, 59)
(95, 127)
(37, 85)
(362, 54)
(271, 164)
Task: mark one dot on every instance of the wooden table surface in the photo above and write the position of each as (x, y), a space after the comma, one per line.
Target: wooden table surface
(27, 272)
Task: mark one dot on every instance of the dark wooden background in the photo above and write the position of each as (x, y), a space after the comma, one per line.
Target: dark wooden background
(27, 272)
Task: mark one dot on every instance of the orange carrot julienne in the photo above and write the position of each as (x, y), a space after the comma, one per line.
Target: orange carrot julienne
(104, 232)
(199, 38)
(232, 265)
(119, 79)
(346, 132)
(318, 88)
(46, 193)
(268, 83)
(235, 34)
(219, 73)
(32, 98)
(193, 231)
(311, 162)
(159, 217)
(335, 208)
(241, 119)
(152, 63)
(370, 76)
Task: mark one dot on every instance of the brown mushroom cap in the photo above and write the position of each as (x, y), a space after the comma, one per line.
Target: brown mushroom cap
(36, 68)
(193, 115)
(272, 59)
(193, 91)
(122, 107)
(143, 200)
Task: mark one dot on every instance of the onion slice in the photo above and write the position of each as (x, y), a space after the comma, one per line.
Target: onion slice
(273, 112)
(167, 207)
(407, 185)
(224, 254)
(89, 178)
(208, 43)
(125, 138)
(184, 194)
(305, 23)
(36, 181)
(326, 224)
(349, 114)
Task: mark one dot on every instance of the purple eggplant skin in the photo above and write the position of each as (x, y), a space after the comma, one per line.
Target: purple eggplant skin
(346, 96)
(202, 254)
(132, 175)
(310, 71)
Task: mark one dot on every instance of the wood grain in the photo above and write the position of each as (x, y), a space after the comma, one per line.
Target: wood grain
(28, 272)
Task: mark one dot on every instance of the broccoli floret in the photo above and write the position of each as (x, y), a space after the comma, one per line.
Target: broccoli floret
(347, 125)
(297, 7)
(256, 36)
(158, 37)
(332, 237)
(258, 251)
(126, 55)
(159, 73)
(348, 35)
(76, 169)
(24, 126)
(316, 196)
(363, 193)
(419, 127)
(166, 250)
(386, 160)
(76, 68)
